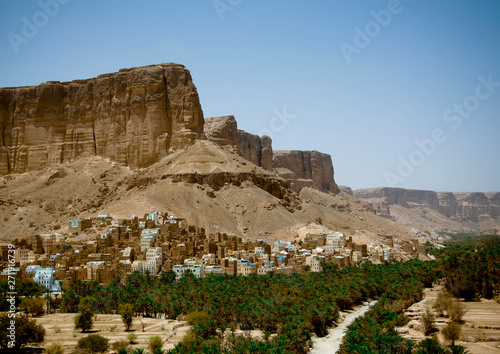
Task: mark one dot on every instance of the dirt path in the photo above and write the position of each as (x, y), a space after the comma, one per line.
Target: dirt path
(331, 343)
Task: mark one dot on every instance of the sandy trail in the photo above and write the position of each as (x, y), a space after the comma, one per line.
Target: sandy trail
(331, 343)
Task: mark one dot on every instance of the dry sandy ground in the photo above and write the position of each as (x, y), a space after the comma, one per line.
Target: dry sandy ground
(480, 331)
(330, 344)
(60, 329)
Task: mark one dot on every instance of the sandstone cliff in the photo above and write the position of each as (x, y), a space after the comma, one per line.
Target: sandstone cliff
(133, 117)
(472, 211)
(306, 169)
(224, 132)
(301, 168)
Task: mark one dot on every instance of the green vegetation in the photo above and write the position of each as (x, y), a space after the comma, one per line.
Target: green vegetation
(27, 331)
(155, 343)
(34, 306)
(93, 343)
(288, 309)
(452, 332)
(472, 269)
(55, 349)
(127, 313)
(84, 319)
(24, 288)
(428, 322)
(132, 337)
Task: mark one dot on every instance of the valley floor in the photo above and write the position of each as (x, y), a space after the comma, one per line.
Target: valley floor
(480, 331)
(60, 329)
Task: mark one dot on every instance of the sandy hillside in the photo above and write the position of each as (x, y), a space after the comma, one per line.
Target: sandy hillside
(207, 185)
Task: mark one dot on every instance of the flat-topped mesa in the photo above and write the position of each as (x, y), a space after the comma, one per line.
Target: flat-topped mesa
(306, 169)
(462, 206)
(134, 117)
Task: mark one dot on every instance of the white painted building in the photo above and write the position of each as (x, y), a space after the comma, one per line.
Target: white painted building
(45, 277)
(148, 237)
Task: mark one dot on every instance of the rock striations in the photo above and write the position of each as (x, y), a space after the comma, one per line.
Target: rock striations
(306, 169)
(474, 211)
(301, 168)
(133, 117)
(224, 132)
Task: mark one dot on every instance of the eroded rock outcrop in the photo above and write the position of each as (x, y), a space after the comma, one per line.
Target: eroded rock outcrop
(301, 168)
(133, 117)
(306, 169)
(224, 132)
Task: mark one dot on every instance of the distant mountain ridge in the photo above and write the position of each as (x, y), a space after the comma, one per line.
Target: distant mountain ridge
(459, 211)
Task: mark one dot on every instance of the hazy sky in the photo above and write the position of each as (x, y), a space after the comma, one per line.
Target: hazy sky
(400, 93)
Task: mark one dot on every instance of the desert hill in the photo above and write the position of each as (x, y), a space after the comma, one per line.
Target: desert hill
(206, 184)
(461, 212)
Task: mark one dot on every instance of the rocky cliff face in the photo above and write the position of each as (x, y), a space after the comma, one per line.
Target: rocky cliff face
(469, 208)
(306, 169)
(301, 168)
(133, 117)
(224, 132)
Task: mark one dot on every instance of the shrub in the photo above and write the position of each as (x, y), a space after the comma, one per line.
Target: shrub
(155, 342)
(35, 306)
(194, 318)
(127, 313)
(132, 337)
(55, 349)
(443, 303)
(84, 321)
(427, 322)
(56, 329)
(122, 344)
(112, 328)
(94, 343)
(456, 311)
(452, 332)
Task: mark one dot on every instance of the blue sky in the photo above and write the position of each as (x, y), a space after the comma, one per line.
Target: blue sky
(400, 93)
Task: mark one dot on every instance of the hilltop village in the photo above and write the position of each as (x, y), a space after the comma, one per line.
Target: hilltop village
(159, 243)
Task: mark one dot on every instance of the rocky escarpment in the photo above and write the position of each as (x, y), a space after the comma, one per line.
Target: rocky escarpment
(224, 132)
(301, 168)
(480, 208)
(133, 117)
(306, 169)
